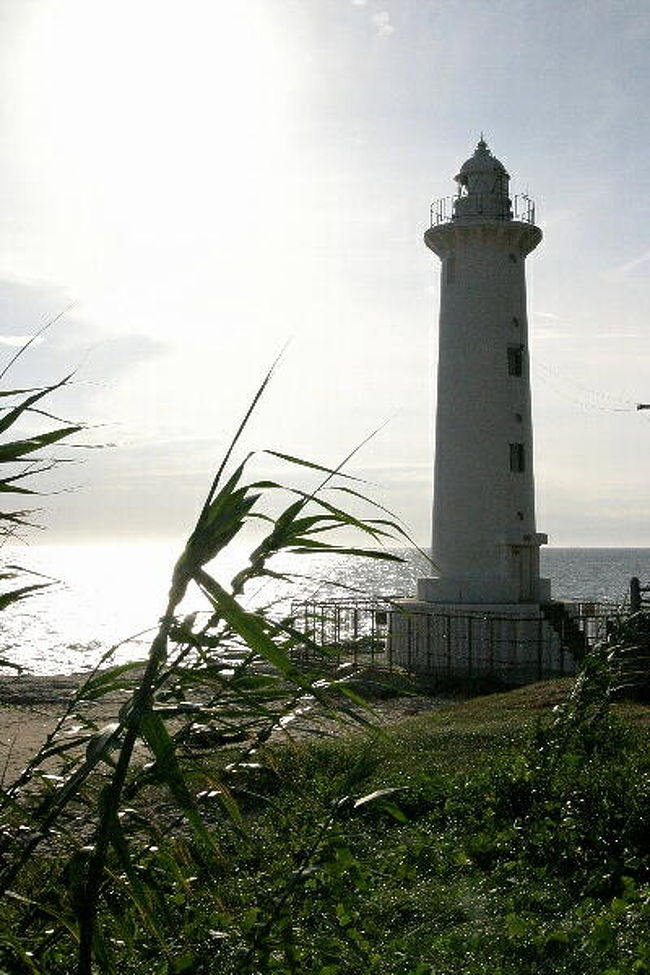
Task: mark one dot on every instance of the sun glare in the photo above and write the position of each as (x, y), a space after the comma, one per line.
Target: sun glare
(147, 136)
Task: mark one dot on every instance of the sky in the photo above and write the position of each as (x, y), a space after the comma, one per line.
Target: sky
(200, 184)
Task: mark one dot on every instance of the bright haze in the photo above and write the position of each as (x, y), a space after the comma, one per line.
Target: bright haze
(206, 180)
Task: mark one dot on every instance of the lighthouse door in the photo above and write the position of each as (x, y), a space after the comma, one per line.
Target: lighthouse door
(522, 572)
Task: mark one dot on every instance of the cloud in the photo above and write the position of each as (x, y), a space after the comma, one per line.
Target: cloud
(359, 3)
(16, 341)
(554, 335)
(616, 335)
(117, 355)
(546, 324)
(642, 259)
(382, 24)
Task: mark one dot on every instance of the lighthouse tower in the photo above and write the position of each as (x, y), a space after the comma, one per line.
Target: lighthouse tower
(485, 544)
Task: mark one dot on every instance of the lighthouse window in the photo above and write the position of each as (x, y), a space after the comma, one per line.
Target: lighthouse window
(515, 360)
(517, 458)
(451, 269)
(513, 258)
(515, 321)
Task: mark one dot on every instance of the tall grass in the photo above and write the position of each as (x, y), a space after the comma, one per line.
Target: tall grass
(84, 824)
(24, 459)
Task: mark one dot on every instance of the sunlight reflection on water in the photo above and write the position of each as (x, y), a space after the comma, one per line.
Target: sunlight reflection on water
(110, 592)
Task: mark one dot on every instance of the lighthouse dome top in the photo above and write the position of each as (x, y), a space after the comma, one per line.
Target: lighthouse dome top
(481, 162)
(483, 194)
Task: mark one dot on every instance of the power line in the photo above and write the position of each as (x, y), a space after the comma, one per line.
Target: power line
(585, 396)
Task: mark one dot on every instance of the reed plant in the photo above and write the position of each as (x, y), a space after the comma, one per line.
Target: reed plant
(25, 456)
(114, 839)
(30, 441)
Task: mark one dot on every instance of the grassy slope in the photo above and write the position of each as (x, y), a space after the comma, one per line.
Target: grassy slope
(494, 855)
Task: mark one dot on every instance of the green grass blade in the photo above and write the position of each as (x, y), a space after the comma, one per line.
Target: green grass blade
(10, 418)
(12, 451)
(168, 770)
(240, 430)
(299, 462)
(7, 598)
(34, 337)
(248, 625)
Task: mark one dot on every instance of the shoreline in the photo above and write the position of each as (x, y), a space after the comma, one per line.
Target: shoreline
(31, 689)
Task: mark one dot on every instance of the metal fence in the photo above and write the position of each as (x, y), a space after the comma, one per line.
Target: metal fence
(512, 647)
(355, 631)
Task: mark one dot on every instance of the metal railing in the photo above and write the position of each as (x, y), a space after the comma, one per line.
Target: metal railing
(349, 630)
(513, 648)
(521, 208)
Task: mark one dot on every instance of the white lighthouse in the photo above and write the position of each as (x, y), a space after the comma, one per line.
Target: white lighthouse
(485, 544)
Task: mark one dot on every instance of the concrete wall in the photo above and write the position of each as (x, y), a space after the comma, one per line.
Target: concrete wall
(511, 643)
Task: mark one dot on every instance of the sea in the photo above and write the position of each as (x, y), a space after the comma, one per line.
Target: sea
(105, 596)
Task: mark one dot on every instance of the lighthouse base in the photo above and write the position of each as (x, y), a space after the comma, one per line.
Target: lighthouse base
(509, 642)
(482, 590)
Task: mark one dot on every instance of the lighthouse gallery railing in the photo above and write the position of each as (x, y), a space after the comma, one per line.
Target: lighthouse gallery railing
(442, 210)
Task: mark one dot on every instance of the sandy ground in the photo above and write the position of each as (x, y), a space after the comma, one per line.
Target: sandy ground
(30, 707)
